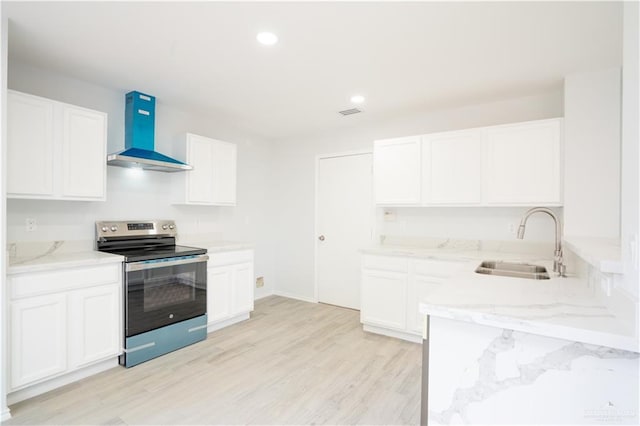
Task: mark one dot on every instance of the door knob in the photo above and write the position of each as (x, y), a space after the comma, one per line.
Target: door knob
(321, 237)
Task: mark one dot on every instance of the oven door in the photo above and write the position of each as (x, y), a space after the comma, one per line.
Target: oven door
(164, 291)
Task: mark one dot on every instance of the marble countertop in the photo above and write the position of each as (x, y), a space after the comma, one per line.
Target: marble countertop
(603, 253)
(49, 255)
(57, 260)
(561, 307)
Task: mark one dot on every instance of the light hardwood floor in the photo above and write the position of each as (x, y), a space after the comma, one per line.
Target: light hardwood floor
(293, 362)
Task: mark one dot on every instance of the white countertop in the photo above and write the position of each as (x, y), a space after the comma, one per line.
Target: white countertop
(564, 308)
(43, 256)
(603, 253)
(57, 260)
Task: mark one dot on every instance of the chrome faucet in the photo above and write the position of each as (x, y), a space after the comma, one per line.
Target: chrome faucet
(558, 261)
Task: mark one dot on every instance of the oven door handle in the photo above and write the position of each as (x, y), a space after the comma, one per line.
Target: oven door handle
(146, 264)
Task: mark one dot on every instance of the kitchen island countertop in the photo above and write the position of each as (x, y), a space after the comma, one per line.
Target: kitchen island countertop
(561, 307)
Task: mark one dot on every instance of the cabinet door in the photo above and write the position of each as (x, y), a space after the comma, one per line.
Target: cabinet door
(396, 171)
(224, 173)
(84, 143)
(243, 288)
(94, 324)
(418, 290)
(523, 163)
(219, 292)
(455, 166)
(200, 180)
(384, 296)
(38, 338)
(30, 143)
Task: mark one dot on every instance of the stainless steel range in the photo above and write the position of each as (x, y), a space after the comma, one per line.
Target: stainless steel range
(165, 287)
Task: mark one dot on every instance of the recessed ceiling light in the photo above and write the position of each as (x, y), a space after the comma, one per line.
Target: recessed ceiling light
(267, 38)
(357, 99)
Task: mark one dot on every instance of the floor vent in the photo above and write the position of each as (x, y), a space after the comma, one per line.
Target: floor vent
(350, 111)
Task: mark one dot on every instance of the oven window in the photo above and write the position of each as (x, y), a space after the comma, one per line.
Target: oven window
(161, 296)
(167, 291)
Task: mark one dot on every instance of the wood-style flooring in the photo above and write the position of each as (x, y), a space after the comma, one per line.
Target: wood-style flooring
(293, 362)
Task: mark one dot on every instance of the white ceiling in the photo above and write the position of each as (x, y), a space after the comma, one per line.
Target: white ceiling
(403, 57)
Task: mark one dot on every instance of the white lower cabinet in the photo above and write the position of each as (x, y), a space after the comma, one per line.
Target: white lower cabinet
(62, 321)
(419, 289)
(38, 338)
(92, 336)
(384, 298)
(392, 289)
(229, 288)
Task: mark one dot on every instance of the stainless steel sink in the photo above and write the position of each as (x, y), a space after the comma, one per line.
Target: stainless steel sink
(511, 269)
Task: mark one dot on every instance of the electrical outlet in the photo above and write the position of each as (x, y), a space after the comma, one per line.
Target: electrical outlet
(31, 224)
(389, 216)
(259, 282)
(512, 229)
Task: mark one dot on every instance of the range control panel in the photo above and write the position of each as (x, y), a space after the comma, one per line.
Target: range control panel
(109, 229)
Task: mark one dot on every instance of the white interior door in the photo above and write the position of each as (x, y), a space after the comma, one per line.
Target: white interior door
(344, 224)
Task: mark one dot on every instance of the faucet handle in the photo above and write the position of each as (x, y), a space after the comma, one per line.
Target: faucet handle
(562, 270)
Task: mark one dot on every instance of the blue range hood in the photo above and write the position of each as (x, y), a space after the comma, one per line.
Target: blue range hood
(139, 138)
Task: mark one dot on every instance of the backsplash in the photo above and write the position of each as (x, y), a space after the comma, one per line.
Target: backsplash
(543, 249)
(469, 223)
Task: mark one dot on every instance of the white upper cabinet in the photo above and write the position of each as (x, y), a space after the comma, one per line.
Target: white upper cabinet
(523, 163)
(225, 160)
(84, 133)
(55, 151)
(30, 145)
(397, 170)
(455, 160)
(515, 164)
(213, 178)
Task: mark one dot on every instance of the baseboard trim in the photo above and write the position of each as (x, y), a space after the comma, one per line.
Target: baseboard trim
(263, 296)
(415, 338)
(56, 382)
(5, 414)
(294, 296)
(226, 323)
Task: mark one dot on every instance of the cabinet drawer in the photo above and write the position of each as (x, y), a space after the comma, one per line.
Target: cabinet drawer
(385, 263)
(436, 268)
(32, 284)
(230, 257)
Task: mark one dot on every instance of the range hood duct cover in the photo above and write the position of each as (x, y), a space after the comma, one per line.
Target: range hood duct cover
(139, 138)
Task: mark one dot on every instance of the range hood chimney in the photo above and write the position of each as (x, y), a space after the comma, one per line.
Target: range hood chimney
(139, 125)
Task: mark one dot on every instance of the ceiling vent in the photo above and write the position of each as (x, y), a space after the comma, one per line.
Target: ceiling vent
(350, 111)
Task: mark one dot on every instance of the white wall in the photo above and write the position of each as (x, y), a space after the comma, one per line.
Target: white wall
(295, 167)
(592, 154)
(148, 196)
(471, 223)
(630, 195)
(4, 31)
